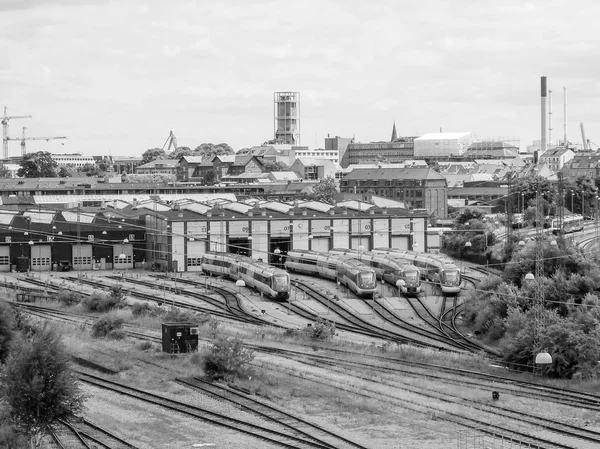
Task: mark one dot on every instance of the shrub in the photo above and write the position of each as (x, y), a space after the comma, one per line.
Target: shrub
(68, 298)
(141, 309)
(176, 315)
(116, 334)
(105, 326)
(144, 346)
(97, 302)
(322, 329)
(226, 358)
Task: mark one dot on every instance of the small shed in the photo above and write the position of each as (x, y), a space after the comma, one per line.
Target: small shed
(179, 338)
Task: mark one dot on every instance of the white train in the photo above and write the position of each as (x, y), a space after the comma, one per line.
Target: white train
(437, 268)
(571, 223)
(358, 277)
(390, 269)
(272, 282)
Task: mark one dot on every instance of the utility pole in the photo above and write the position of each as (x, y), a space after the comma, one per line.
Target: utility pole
(4, 120)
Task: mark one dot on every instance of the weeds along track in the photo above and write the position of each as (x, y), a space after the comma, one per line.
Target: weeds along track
(438, 373)
(82, 320)
(484, 409)
(282, 436)
(81, 433)
(244, 401)
(468, 417)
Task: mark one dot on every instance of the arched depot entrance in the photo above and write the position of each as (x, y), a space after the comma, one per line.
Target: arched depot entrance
(123, 256)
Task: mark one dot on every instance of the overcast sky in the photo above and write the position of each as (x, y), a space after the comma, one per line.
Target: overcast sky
(118, 76)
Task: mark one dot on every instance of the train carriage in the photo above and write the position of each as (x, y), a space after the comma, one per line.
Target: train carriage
(390, 269)
(358, 277)
(571, 223)
(437, 268)
(272, 282)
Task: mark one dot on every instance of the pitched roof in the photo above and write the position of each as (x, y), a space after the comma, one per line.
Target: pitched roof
(394, 173)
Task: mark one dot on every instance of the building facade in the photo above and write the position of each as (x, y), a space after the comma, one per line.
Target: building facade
(287, 117)
(418, 188)
(442, 144)
(384, 152)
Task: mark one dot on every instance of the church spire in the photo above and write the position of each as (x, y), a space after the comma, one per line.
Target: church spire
(394, 135)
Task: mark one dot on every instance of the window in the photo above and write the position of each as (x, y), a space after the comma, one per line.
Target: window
(4, 260)
(84, 260)
(40, 261)
(123, 261)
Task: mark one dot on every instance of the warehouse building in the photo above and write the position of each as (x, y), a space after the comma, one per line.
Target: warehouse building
(442, 144)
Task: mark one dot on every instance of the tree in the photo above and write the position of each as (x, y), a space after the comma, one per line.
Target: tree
(180, 152)
(66, 171)
(7, 330)
(208, 149)
(5, 172)
(325, 190)
(38, 385)
(38, 165)
(152, 155)
(270, 166)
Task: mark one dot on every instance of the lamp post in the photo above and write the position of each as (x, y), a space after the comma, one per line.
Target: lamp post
(361, 249)
(30, 254)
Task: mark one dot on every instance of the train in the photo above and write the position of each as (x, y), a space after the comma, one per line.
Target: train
(571, 223)
(389, 269)
(354, 275)
(436, 268)
(271, 281)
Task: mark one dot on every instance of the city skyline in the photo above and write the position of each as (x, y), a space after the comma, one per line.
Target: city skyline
(116, 77)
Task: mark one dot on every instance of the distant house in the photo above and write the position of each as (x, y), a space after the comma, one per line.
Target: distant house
(585, 165)
(159, 166)
(221, 164)
(556, 158)
(193, 168)
(245, 164)
(314, 168)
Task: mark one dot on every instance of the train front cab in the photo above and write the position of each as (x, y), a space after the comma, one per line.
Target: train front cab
(280, 284)
(450, 281)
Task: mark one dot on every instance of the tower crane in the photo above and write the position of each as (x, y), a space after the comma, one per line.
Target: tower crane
(23, 139)
(171, 140)
(4, 120)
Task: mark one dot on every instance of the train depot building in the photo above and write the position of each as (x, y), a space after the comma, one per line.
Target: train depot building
(172, 233)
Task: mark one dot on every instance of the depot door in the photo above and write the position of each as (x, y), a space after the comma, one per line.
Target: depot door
(123, 256)
(40, 257)
(82, 257)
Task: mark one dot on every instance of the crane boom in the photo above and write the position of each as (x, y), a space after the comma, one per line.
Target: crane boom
(172, 141)
(23, 139)
(4, 120)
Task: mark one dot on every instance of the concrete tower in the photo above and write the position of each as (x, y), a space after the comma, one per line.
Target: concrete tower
(287, 117)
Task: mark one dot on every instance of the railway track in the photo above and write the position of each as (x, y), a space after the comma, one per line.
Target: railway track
(269, 412)
(283, 437)
(81, 433)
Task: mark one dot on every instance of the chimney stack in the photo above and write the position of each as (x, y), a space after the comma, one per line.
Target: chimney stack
(544, 145)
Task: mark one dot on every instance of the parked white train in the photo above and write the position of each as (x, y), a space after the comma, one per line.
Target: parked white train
(571, 223)
(272, 282)
(358, 277)
(437, 268)
(390, 269)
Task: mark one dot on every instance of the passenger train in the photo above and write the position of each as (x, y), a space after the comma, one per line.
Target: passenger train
(571, 223)
(437, 268)
(388, 268)
(358, 277)
(271, 281)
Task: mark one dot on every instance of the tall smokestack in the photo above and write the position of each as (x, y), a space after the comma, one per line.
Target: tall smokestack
(565, 115)
(544, 145)
(550, 117)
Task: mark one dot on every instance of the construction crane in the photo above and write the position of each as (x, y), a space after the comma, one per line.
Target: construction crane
(4, 120)
(171, 140)
(23, 139)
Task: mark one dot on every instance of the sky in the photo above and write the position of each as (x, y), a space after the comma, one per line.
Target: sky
(116, 77)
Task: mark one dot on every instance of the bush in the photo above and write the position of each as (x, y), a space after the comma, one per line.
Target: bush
(68, 298)
(226, 358)
(98, 302)
(176, 315)
(144, 346)
(105, 326)
(322, 329)
(141, 309)
(116, 334)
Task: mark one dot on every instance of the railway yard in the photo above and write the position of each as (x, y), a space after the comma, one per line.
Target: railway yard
(400, 372)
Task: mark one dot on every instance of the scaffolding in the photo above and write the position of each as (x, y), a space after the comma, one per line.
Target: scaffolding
(287, 117)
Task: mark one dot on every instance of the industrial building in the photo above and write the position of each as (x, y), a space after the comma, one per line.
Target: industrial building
(174, 234)
(442, 144)
(287, 117)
